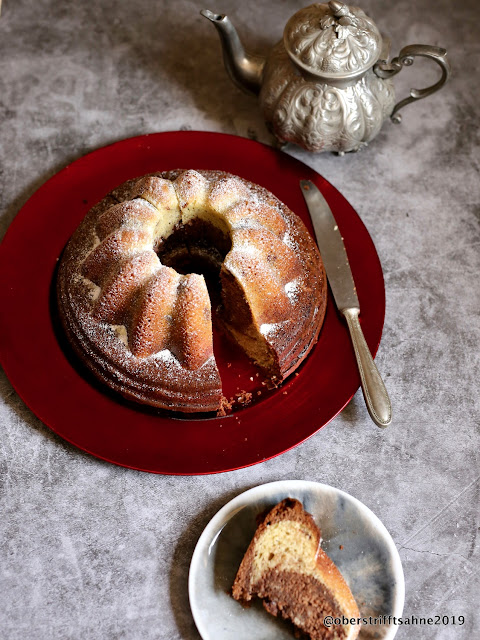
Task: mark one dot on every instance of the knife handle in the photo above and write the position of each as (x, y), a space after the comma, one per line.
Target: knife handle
(374, 391)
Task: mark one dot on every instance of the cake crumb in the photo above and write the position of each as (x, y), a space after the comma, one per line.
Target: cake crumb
(273, 383)
(244, 397)
(225, 405)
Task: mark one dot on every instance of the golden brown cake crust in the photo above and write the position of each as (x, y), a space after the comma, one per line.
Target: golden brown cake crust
(302, 594)
(159, 380)
(110, 268)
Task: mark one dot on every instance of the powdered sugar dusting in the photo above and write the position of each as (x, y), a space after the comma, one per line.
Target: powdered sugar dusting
(269, 329)
(226, 192)
(121, 332)
(165, 378)
(290, 241)
(167, 357)
(93, 289)
(293, 290)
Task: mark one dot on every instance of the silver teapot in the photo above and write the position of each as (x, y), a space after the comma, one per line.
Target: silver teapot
(327, 86)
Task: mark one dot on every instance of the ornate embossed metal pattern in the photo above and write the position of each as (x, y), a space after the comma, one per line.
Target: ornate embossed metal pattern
(332, 39)
(327, 85)
(319, 116)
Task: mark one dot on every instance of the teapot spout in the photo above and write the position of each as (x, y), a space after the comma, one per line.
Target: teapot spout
(243, 68)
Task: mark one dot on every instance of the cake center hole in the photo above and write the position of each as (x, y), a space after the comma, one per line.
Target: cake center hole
(197, 247)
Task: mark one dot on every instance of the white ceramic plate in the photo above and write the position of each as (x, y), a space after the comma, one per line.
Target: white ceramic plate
(353, 537)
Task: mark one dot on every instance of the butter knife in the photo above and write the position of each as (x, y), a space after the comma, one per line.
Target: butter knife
(339, 274)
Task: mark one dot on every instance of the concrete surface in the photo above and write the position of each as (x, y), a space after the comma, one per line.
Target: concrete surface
(93, 551)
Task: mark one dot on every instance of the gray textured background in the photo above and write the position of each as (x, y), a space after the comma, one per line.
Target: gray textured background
(94, 551)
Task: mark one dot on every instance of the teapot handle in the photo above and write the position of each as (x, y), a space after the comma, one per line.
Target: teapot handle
(385, 69)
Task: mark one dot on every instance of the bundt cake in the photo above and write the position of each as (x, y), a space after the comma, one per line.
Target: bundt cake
(133, 298)
(285, 566)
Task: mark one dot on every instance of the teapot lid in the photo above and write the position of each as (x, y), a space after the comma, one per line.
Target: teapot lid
(332, 40)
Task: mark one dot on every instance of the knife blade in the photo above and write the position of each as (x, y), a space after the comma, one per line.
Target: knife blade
(342, 284)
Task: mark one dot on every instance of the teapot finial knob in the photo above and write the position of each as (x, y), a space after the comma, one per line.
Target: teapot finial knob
(334, 41)
(338, 8)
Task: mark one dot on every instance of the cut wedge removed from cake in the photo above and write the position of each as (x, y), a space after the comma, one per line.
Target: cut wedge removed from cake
(133, 294)
(286, 568)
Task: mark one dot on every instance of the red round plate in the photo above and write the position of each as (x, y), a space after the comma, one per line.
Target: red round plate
(95, 421)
